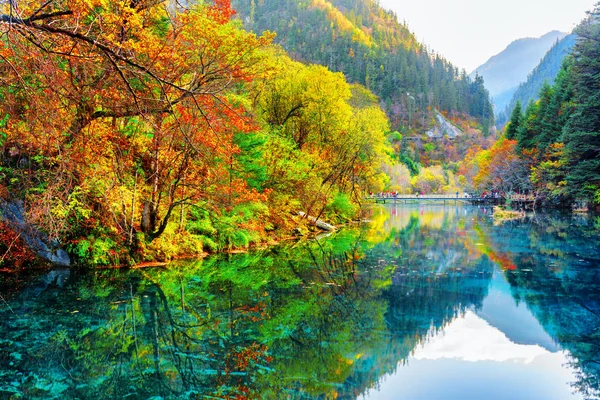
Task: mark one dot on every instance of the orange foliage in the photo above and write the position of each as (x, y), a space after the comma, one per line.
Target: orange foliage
(221, 11)
(503, 261)
(127, 104)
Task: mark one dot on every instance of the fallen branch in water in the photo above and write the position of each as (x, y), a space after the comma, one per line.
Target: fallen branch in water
(318, 223)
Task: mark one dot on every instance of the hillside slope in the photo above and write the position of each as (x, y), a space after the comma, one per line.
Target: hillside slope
(370, 46)
(506, 70)
(546, 71)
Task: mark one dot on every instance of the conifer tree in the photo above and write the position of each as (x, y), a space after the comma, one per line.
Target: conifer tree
(515, 122)
(547, 113)
(582, 131)
(528, 128)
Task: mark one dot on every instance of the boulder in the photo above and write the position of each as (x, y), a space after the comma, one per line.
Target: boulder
(13, 213)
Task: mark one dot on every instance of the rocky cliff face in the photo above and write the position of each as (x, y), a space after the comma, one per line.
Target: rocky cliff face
(443, 127)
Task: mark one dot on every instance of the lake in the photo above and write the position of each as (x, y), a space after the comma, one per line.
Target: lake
(424, 302)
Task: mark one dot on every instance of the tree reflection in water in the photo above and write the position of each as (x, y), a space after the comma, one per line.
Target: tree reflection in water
(317, 319)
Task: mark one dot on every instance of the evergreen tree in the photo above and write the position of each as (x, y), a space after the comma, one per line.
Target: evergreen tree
(546, 118)
(515, 122)
(582, 131)
(529, 128)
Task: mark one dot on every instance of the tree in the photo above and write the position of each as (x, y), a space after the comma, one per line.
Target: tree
(515, 122)
(126, 105)
(582, 131)
(333, 135)
(500, 168)
(528, 128)
(548, 176)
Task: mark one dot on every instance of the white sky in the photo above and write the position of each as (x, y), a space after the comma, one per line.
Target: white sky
(469, 32)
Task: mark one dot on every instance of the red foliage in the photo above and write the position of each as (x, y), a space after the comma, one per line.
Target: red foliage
(221, 11)
(14, 253)
(503, 260)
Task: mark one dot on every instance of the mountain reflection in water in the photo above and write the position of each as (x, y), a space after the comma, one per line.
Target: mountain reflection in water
(422, 303)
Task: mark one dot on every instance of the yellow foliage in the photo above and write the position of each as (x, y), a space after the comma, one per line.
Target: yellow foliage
(400, 179)
(343, 24)
(430, 180)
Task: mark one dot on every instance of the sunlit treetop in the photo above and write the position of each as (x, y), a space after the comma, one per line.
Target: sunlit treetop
(138, 57)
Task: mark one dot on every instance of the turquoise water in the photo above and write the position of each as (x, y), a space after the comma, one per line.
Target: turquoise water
(422, 303)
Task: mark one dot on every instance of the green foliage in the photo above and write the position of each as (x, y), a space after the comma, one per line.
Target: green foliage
(428, 147)
(527, 134)
(161, 27)
(98, 249)
(371, 47)
(3, 123)
(199, 225)
(412, 166)
(251, 152)
(394, 136)
(342, 207)
(515, 122)
(228, 230)
(582, 131)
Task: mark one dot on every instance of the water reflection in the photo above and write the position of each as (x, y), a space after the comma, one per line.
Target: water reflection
(424, 303)
(471, 359)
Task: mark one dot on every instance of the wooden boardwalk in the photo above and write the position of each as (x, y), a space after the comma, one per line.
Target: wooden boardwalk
(516, 200)
(408, 199)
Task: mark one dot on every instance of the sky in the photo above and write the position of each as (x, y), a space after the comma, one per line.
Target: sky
(469, 32)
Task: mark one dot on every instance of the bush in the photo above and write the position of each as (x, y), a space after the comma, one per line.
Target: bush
(240, 227)
(341, 208)
(98, 249)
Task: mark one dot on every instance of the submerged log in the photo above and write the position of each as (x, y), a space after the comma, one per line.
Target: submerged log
(318, 223)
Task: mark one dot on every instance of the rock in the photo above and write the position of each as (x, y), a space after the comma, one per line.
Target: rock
(444, 127)
(40, 244)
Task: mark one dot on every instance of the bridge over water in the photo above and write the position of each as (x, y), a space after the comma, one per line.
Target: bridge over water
(518, 200)
(445, 199)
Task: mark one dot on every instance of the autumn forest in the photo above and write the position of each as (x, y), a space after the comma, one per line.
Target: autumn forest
(144, 130)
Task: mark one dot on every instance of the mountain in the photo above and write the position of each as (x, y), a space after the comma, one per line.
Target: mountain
(370, 46)
(504, 72)
(546, 71)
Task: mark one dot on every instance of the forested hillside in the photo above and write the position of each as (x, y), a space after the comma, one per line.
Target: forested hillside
(370, 46)
(552, 148)
(546, 71)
